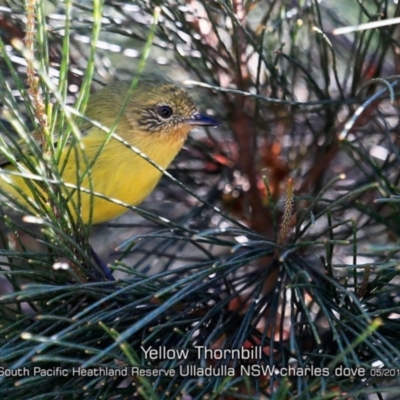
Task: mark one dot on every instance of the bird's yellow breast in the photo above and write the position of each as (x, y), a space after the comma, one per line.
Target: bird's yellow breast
(120, 174)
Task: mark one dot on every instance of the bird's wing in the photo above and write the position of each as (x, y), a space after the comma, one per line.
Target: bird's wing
(21, 149)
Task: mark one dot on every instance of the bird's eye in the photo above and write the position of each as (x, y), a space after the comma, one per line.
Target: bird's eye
(164, 111)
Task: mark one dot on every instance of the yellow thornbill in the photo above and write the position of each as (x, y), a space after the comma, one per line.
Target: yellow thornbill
(156, 120)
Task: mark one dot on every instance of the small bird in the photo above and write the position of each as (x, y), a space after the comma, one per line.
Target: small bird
(157, 120)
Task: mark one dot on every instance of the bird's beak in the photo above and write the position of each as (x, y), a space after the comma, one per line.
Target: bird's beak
(198, 119)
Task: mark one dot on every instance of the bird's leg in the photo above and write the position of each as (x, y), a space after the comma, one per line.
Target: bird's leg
(106, 271)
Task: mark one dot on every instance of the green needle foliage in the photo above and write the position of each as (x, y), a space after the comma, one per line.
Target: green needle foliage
(279, 231)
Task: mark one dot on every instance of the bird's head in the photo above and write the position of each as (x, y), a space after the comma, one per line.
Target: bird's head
(154, 107)
(165, 107)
